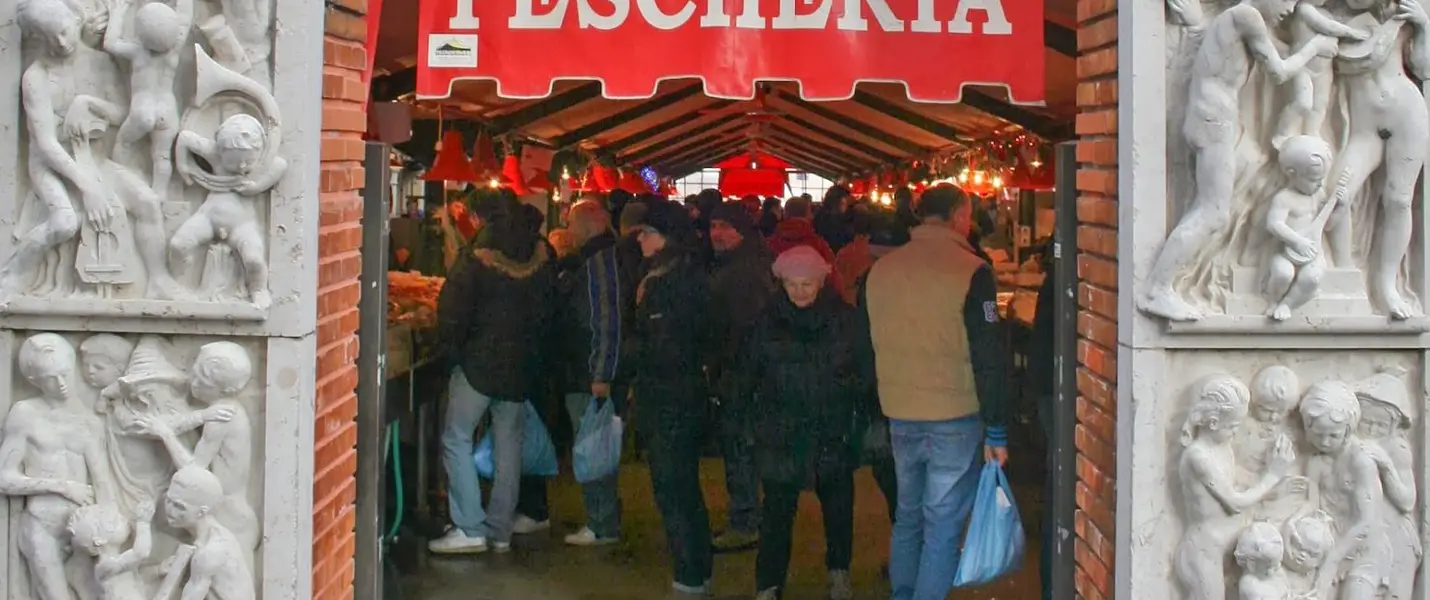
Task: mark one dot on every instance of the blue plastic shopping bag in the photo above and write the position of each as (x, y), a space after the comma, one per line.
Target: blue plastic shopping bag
(994, 544)
(597, 452)
(538, 455)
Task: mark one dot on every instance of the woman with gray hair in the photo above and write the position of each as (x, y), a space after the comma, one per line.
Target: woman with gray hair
(812, 365)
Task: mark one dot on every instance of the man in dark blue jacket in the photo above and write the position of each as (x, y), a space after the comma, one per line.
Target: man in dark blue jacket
(598, 305)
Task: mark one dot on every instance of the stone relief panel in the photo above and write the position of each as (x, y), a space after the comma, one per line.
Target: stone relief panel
(117, 98)
(1292, 475)
(133, 466)
(1296, 134)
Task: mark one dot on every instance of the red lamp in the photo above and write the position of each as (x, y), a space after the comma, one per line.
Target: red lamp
(451, 164)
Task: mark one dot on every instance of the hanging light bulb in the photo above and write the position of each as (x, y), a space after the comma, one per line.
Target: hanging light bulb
(978, 178)
(997, 181)
(565, 173)
(494, 183)
(1036, 163)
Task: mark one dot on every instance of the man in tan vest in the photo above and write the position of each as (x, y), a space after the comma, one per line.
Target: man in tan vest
(942, 371)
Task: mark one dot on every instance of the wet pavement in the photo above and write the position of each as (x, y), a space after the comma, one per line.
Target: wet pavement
(541, 567)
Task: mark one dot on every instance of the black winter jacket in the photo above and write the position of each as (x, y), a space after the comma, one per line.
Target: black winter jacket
(495, 310)
(741, 285)
(667, 336)
(813, 369)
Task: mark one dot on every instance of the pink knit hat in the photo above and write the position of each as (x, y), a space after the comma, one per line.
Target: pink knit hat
(800, 262)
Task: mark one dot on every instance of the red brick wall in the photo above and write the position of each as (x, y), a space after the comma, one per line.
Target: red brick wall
(339, 265)
(1094, 546)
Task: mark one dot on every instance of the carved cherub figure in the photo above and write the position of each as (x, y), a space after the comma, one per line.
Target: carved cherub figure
(219, 567)
(221, 370)
(1259, 551)
(1206, 479)
(1347, 485)
(1305, 114)
(1308, 539)
(226, 215)
(50, 455)
(1235, 41)
(1297, 218)
(101, 530)
(153, 57)
(1385, 418)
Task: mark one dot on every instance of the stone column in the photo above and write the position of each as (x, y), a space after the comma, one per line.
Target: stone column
(158, 297)
(1273, 333)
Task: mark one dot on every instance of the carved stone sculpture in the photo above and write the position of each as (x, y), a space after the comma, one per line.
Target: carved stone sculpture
(1275, 391)
(1349, 485)
(244, 161)
(1235, 41)
(153, 58)
(220, 371)
(218, 568)
(1255, 195)
(1259, 552)
(101, 530)
(1385, 419)
(50, 455)
(1206, 479)
(1308, 539)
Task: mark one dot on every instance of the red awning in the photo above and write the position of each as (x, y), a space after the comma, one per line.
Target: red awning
(933, 47)
(753, 173)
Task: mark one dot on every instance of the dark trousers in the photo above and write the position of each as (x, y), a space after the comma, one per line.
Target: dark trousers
(675, 437)
(742, 480)
(888, 479)
(836, 502)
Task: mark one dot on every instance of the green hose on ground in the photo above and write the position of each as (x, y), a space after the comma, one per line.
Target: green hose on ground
(394, 449)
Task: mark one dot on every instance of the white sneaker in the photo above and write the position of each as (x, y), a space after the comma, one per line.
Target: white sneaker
(586, 537)
(768, 594)
(525, 525)
(501, 547)
(841, 587)
(457, 542)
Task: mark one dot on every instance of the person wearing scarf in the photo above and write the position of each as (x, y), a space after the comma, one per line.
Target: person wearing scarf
(812, 366)
(669, 388)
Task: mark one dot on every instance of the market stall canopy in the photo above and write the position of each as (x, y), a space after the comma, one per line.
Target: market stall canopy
(681, 121)
(753, 174)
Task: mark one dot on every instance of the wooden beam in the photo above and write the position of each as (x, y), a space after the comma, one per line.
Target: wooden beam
(709, 154)
(896, 111)
(704, 145)
(1047, 128)
(389, 87)
(644, 154)
(626, 116)
(815, 154)
(805, 165)
(876, 154)
(823, 147)
(1057, 38)
(652, 132)
(545, 108)
(808, 160)
(864, 129)
(790, 138)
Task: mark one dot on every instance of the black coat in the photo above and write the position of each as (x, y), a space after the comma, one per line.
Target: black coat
(813, 370)
(666, 339)
(741, 285)
(495, 311)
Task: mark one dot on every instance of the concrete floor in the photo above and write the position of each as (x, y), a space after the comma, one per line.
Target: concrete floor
(541, 567)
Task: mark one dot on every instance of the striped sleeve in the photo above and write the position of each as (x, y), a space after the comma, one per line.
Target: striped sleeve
(604, 292)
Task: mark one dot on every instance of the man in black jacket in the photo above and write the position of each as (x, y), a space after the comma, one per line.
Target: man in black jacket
(492, 314)
(597, 310)
(740, 286)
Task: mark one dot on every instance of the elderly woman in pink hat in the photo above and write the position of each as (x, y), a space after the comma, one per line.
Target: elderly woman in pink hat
(813, 370)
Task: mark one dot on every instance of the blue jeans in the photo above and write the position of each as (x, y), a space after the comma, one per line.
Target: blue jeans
(602, 497)
(465, 409)
(937, 464)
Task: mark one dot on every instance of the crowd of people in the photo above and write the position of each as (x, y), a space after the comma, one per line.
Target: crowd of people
(826, 338)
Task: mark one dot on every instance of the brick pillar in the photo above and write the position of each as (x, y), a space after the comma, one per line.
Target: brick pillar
(1094, 523)
(339, 265)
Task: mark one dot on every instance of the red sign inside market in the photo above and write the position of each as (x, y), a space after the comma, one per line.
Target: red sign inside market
(934, 47)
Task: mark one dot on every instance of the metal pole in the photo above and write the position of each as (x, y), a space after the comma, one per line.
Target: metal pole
(1064, 460)
(371, 364)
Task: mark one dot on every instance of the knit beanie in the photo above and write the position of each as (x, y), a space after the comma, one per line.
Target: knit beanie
(800, 262)
(670, 220)
(736, 215)
(633, 215)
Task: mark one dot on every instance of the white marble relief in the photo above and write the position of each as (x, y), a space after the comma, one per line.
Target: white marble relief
(1293, 155)
(93, 229)
(1346, 530)
(144, 429)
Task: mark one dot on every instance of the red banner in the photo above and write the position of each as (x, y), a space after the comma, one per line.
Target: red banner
(934, 47)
